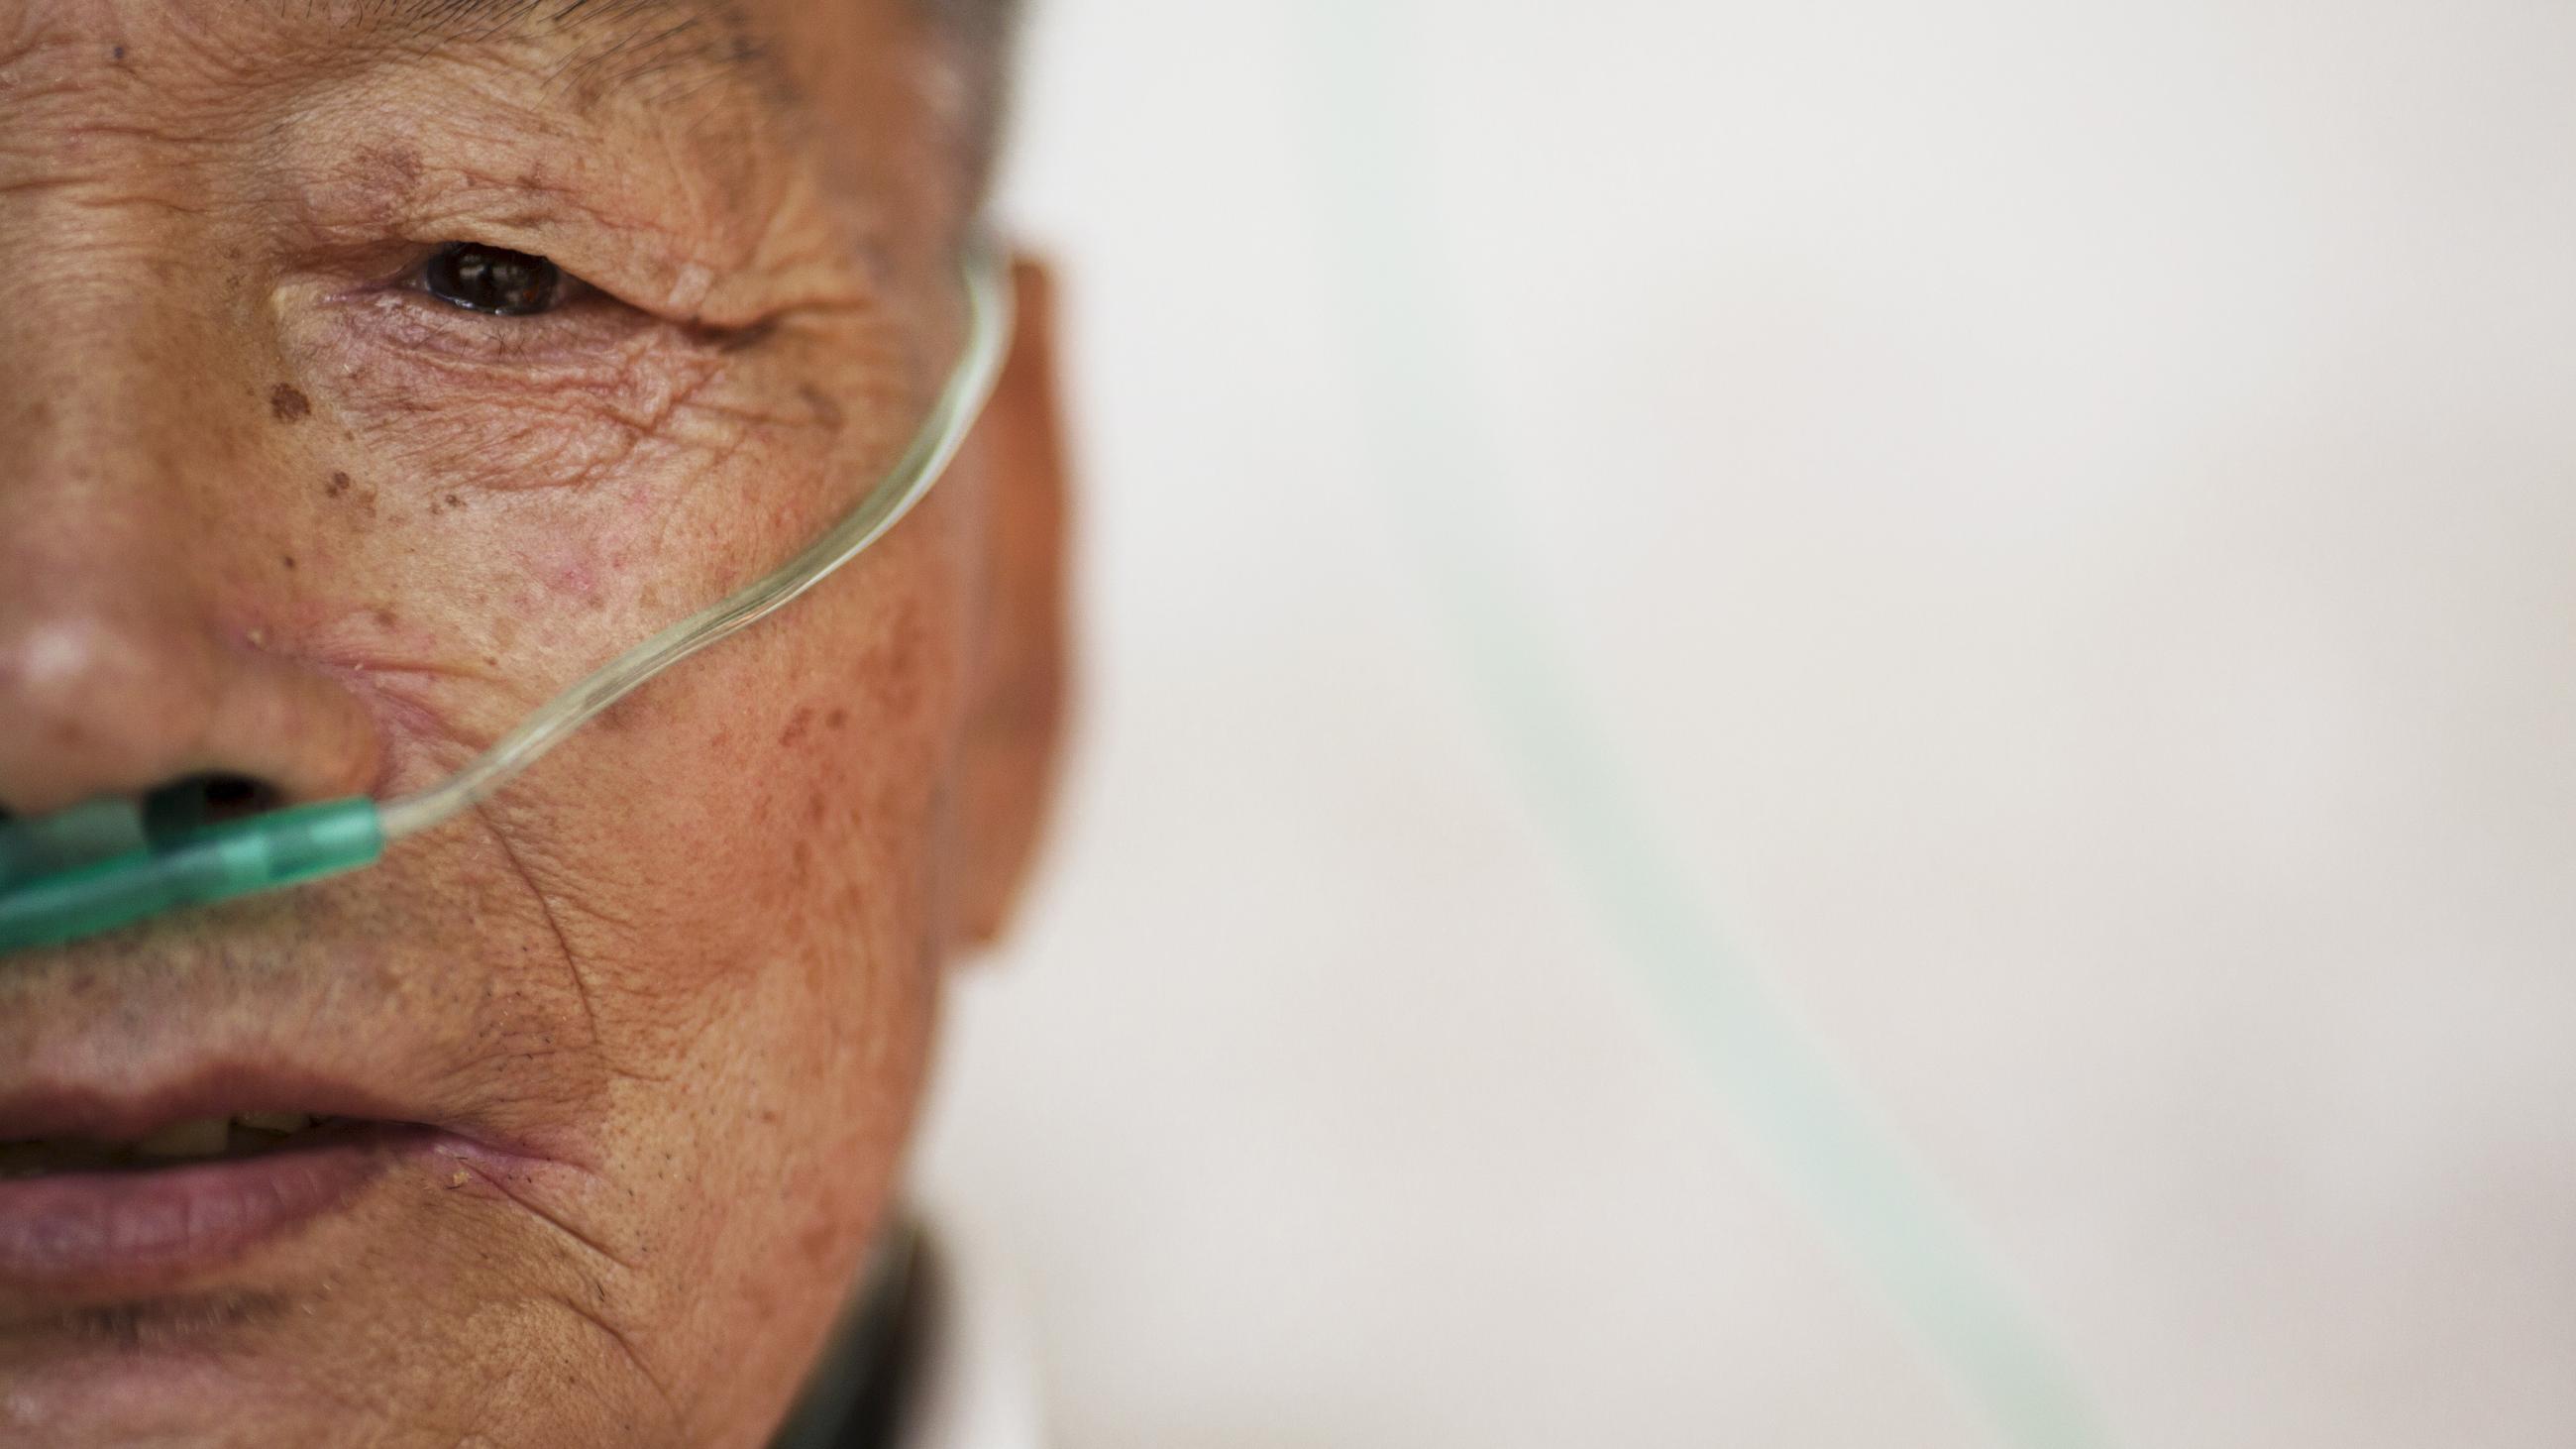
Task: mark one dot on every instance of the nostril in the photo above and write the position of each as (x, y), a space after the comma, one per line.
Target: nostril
(203, 800)
(230, 796)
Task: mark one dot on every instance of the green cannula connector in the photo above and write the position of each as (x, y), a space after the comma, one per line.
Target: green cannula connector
(96, 868)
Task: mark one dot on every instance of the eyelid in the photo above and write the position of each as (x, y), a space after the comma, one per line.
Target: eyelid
(585, 333)
(650, 269)
(612, 258)
(588, 314)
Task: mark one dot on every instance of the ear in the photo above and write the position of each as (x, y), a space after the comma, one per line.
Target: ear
(1016, 711)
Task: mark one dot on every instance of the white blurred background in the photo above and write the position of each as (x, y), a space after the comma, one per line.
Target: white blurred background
(2067, 510)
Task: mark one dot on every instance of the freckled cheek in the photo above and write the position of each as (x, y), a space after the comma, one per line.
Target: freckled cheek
(644, 484)
(807, 777)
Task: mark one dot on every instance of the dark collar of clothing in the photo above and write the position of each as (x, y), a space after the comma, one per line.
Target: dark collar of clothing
(857, 1395)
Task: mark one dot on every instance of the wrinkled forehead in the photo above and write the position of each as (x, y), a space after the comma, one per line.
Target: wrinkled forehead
(723, 99)
(586, 47)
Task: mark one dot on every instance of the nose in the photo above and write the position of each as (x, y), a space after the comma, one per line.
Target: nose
(115, 680)
(105, 692)
(126, 667)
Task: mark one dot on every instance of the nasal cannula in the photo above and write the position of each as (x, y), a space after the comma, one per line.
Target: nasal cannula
(112, 862)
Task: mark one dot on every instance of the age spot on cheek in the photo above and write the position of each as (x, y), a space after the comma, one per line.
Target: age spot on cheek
(339, 488)
(288, 404)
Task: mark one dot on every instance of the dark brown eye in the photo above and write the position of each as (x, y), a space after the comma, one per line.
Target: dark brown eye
(497, 280)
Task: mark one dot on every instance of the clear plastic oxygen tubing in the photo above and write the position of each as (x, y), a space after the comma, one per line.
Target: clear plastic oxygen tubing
(943, 432)
(1828, 1144)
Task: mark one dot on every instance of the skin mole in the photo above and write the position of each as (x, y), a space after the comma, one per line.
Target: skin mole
(288, 404)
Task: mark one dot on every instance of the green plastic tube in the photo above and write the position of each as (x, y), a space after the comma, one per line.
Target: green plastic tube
(46, 900)
(99, 830)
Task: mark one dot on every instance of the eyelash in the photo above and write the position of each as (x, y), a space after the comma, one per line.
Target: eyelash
(583, 320)
(588, 326)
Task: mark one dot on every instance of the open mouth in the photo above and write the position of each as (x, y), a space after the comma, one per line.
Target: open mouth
(204, 1139)
(102, 1199)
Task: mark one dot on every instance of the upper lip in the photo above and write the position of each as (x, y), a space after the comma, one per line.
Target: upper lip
(37, 1111)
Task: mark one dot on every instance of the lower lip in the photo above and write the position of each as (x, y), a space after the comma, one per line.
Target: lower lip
(146, 1228)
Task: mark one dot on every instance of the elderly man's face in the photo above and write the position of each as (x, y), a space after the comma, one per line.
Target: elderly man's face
(314, 477)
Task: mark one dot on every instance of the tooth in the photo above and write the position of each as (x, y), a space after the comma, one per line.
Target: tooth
(279, 1122)
(204, 1137)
